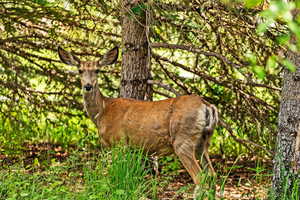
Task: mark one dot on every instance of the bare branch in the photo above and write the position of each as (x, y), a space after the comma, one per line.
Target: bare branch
(236, 86)
(165, 86)
(162, 94)
(195, 50)
(170, 76)
(243, 141)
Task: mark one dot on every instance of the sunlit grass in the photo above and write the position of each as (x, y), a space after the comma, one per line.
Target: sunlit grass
(120, 174)
(116, 174)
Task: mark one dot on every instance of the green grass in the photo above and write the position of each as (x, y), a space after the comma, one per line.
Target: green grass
(121, 176)
(116, 174)
(17, 184)
(290, 187)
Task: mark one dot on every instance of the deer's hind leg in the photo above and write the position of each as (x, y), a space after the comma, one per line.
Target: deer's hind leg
(185, 149)
(202, 152)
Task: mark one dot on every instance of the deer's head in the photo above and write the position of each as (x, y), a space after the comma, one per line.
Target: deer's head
(88, 70)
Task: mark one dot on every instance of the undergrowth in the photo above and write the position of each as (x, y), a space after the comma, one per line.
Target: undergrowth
(82, 171)
(119, 173)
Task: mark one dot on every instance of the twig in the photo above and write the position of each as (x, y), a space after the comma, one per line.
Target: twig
(169, 74)
(203, 75)
(195, 50)
(162, 94)
(210, 78)
(242, 141)
(165, 86)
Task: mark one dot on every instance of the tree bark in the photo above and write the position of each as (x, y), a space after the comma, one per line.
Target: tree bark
(136, 51)
(287, 157)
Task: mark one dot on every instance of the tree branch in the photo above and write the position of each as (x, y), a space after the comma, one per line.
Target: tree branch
(165, 86)
(196, 50)
(242, 141)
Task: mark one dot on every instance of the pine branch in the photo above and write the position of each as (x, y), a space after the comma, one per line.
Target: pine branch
(165, 86)
(243, 141)
(196, 50)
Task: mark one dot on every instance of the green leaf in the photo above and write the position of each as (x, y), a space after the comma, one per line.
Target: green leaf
(252, 3)
(283, 39)
(294, 28)
(36, 162)
(139, 9)
(120, 192)
(259, 71)
(41, 2)
(289, 65)
(226, 1)
(173, 17)
(271, 62)
(251, 58)
(24, 194)
(261, 28)
(268, 14)
(297, 3)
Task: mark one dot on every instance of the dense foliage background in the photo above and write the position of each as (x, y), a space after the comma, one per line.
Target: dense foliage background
(232, 53)
(208, 48)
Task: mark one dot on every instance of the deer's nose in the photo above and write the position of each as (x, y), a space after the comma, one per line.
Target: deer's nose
(88, 87)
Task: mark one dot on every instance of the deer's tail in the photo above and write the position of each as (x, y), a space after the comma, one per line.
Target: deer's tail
(212, 118)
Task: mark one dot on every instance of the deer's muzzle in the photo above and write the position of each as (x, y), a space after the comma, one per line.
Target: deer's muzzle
(88, 87)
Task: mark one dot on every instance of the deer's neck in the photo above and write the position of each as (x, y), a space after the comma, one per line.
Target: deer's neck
(94, 104)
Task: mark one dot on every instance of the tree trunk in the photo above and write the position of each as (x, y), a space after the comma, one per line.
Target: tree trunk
(287, 157)
(136, 52)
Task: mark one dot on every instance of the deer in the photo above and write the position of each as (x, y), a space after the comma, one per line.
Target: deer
(183, 125)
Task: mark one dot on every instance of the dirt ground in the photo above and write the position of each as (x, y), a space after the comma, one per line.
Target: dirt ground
(242, 180)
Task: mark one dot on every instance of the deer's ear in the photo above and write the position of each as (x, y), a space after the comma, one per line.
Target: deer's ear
(67, 57)
(110, 57)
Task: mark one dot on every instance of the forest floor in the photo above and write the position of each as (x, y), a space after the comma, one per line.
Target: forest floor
(241, 178)
(241, 183)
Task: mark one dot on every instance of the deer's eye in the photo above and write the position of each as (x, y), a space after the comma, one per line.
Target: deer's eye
(80, 71)
(97, 71)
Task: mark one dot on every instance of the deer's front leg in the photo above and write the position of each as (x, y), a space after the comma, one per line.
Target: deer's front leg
(104, 143)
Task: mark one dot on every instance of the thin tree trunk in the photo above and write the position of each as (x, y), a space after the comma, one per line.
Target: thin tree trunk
(287, 158)
(136, 52)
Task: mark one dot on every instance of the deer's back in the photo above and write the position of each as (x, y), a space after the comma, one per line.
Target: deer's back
(153, 125)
